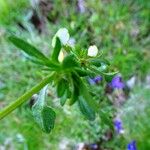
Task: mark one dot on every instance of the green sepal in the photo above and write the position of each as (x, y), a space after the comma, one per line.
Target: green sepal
(56, 50)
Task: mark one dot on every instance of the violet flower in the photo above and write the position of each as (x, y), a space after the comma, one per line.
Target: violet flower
(117, 83)
(118, 126)
(93, 146)
(132, 145)
(95, 80)
(81, 6)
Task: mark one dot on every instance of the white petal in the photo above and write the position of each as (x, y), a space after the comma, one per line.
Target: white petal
(92, 51)
(63, 35)
(71, 42)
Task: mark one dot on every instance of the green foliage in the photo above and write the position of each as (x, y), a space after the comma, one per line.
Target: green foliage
(67, 70)
(56, 50)
(63, 99)
(43, 114)
(136, 119)
(61, 87)
(86, 109)
(70, 62)
(27, 48)
(102, 25)
(34, 54)
(11, 11)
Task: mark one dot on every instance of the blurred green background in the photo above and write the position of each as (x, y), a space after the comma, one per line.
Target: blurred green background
(119, 28)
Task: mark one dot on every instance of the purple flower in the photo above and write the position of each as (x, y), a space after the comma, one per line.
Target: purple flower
(95, 80)
(117, 83)
(132, 145)
(81, 6)
(93, 146)
(91, 81)
(118, 126)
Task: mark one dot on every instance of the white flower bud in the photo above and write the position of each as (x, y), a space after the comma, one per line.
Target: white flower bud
(92, 51)
(63, 35)
(61, 56)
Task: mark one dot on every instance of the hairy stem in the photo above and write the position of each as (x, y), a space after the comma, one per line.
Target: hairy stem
(8, 109)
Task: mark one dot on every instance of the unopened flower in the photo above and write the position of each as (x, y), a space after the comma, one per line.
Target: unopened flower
(63, 35)
(117, 83)
(118, 126)
(95, 80)
(61, 56)
(92, 51)
(132, 145)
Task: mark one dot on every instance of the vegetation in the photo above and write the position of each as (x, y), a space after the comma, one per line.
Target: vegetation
(120, 30)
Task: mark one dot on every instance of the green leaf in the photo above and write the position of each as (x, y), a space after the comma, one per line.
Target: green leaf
(56, 50)
(63, 99)
(75, 93)
(85, 93)
(61, 87)
(70, 62)
(110, 73)
(83, 73)
(43, 114)
(48, 116)
(97, 62)
(109, 76)
(87, 111)
(27, 48)
(75, 88)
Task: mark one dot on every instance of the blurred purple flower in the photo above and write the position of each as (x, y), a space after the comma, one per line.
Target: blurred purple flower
(93, 146)
(95, 80)
(132, 145)
(81, 6)
(117, 83)
(118, 126)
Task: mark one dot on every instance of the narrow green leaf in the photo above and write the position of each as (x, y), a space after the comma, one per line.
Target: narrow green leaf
(27, 48)
(110, 73)
(75, 93)
(83, 73)
(85, 93)
(56, 50)
(63, 99)
(109, 76)
(97, 61)
(76, 86)
(61, 87)
(87, 111)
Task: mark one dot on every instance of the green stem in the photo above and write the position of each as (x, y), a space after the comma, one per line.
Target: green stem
(8, 109)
